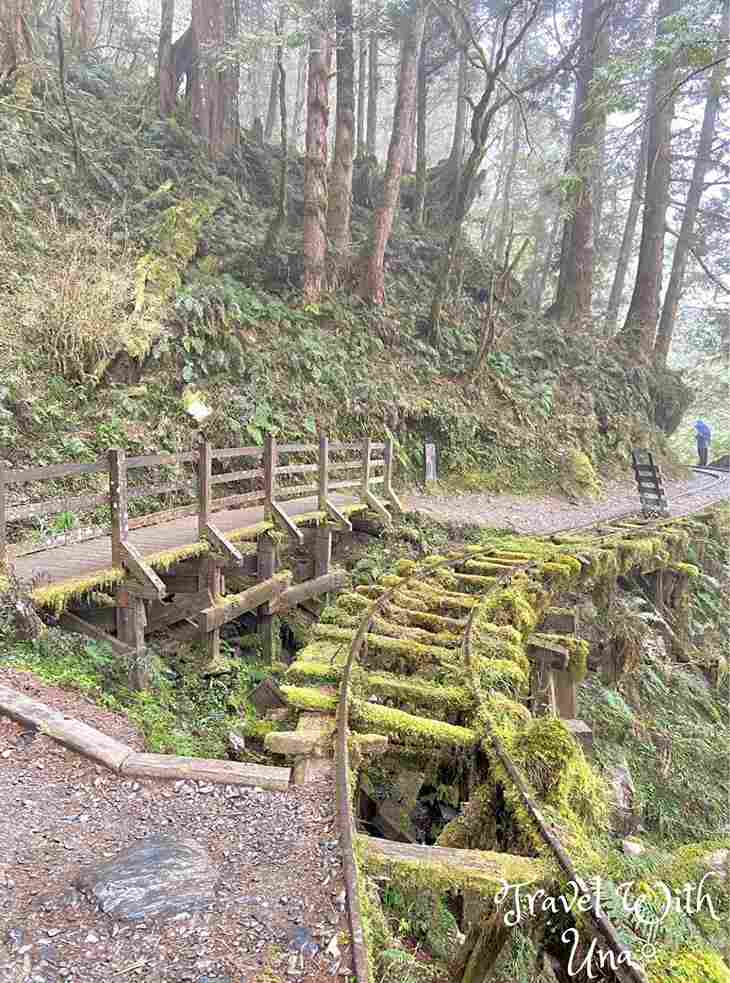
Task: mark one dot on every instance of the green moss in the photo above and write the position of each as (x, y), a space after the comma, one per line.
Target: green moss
(483, 873)
(306, 698)
(57, 597)
(689, 965)
(688, 569)
(409, 729)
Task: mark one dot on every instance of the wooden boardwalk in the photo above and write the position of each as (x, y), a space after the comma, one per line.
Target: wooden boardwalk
(83, 559)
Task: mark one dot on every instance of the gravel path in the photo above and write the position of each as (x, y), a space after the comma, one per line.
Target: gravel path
(276, 855)
(551, 513)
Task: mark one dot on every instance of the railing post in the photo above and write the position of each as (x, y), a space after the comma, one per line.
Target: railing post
(366, 455)
(119, 503)
(388, 458)
(3, 532)
(205, 467)
(270, 461)
(388, 468)
(323, 474)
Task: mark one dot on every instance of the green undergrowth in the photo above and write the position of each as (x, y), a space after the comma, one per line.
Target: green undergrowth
(183, 712)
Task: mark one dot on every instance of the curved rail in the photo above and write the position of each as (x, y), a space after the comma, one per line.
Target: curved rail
(626, 972)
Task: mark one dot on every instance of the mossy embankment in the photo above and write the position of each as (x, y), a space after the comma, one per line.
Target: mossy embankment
(140, 277)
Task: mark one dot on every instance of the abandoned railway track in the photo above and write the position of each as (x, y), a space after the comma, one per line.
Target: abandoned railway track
(453, 594)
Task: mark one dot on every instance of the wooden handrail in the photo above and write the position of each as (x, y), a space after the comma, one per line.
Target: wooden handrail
(117, 465)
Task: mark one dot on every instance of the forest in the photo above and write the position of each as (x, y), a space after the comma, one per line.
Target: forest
(474, 183)
(294, 234)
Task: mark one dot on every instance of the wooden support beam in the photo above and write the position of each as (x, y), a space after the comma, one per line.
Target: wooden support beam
(218, 541)
(378, 507)
(181, 583)
(187, 606)
(292, 596)
(205, 493)
(566, 695)
(148, 584)
(131, 623)
(268, 625)
(548, 654)
(237, 604)
(322, 550)
(282, 519)
(559, 621)
(118, 502)
(212, 636)
(72, 622)
(343, 523)
(388, 478)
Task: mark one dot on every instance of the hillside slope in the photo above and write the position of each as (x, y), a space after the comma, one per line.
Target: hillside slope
(138, 279)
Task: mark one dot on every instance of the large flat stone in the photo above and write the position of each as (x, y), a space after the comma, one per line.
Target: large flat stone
(293, 741)
(159, 876)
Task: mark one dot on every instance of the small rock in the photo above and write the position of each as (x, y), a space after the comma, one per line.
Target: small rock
(91, 937)
(633, 849)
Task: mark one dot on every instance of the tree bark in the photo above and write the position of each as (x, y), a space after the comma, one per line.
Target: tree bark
(272, 106)
(627, 239)
(637, 334)
(456, 156)
(372, 287)
(421, 149)
(373, 86)
(299, 99)
(575, 281)
(362, 68)
(231, 80)
(208, 90)
(315, 167)
(340, 194)
(279, 222)
(504, 220)
(165, 60)
(701, 164)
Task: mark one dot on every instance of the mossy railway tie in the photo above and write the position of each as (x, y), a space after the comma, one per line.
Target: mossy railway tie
(441, 666)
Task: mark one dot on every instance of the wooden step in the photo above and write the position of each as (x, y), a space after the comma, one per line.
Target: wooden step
(482, 871)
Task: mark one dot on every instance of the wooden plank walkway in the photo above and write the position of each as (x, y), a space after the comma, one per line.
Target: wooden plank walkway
(82, 559)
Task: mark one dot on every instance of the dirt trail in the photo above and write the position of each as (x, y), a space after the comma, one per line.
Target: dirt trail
(550, 513)
(279, 890)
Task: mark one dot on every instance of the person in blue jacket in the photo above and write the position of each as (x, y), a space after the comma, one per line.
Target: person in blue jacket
(704, 439)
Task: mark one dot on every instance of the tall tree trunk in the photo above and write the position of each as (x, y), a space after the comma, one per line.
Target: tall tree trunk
(231, 79)
(362, 68)
(315, 166)
(273, 98)
(279, 221)
(372, 286)
(704, 149)
(575, 281)
(338, 213)
(373, 87)
(165, 60)
(548, 261)
(421, 150)
(538, 233)
(299, 98)
(637, 334)
(456, 156)
(504, 220)
(208, 89)
(627, 239)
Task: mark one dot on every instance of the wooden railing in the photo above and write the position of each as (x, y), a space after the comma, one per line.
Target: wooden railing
(274, 474)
